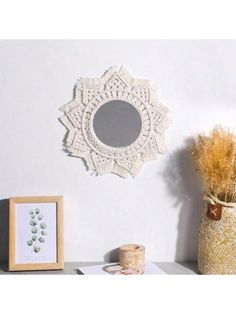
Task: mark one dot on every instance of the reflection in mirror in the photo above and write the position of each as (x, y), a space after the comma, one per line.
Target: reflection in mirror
(117, 123)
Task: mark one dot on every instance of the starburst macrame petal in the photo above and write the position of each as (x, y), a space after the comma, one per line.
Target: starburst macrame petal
(67, 123)
(102, 164)
(126, 166)
(69, 106)
(79, 142)
(151, 150)
(75, 116)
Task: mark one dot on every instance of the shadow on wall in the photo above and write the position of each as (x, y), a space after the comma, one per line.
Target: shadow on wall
(4, 230)
(184, 185)
(65, 150)
(112, 256)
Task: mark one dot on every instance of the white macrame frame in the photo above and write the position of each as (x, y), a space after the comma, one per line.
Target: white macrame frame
(90, 94)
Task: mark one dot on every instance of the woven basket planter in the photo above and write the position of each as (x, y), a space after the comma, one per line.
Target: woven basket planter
(217, 242)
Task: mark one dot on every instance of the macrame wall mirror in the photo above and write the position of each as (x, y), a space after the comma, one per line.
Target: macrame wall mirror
(115, 123)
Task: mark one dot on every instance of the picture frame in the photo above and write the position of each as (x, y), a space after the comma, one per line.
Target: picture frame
(36, 233)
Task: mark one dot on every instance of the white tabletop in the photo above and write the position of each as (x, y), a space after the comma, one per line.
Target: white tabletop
(174, 268)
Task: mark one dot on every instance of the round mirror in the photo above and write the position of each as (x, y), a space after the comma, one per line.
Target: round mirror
(117, 123)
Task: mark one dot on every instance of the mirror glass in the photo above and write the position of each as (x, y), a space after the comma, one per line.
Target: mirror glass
(117, 123)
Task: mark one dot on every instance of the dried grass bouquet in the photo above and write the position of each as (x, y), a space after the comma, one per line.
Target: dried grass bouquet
(215, 159)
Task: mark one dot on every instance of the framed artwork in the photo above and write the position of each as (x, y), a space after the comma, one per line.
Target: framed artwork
(36, 233)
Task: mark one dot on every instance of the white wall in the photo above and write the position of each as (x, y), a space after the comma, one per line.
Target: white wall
(161, 207)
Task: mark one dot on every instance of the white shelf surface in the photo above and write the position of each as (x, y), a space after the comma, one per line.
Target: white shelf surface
(175, 268)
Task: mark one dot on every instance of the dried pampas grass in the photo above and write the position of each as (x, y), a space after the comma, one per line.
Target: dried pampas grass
(215, 159)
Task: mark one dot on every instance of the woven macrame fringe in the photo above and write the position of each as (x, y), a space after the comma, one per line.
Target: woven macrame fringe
(120, 171)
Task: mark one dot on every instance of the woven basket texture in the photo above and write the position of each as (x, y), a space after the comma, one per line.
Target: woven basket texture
(217, 243)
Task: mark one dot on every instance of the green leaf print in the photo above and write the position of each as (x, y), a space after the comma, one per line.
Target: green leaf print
(33, 222)
(36, 249)
(41, 239)
(43, 225)
(38, 232)
(34, 237)
(37, 211)
(40, 217)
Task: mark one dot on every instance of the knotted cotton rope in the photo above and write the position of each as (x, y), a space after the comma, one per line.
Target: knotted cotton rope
(214, 200)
